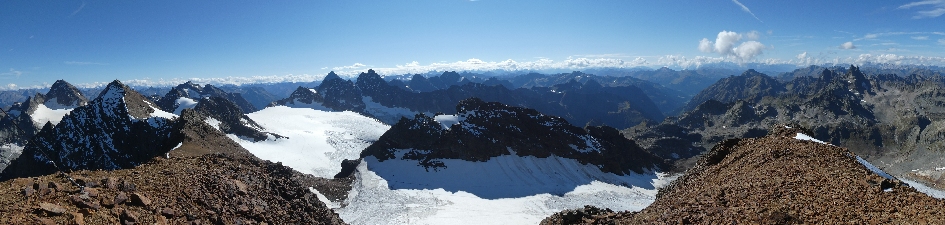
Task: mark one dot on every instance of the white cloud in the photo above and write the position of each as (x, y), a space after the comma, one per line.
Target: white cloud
(744, 8)
(898, 59)
(474, 64)
(353, 66)
(847, 45)
(147, 82)
(729, 44)
(931, 8)
(753, 35)
(941, 41)
(749, 49)
(705, 45)
(920, 37)
(11, 86)
(870, 36)
(725, 41)
(12, 73)
(802, 55)
(76, 63)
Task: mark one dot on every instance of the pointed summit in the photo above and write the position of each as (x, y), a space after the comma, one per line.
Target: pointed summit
(62, 95)
(118, 98)
(301, 97)
(331, 75)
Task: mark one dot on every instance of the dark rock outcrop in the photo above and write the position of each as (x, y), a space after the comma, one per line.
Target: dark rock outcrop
(231, 119)
(490, 129)
(749, 86)
(62, 95)
(195, 92)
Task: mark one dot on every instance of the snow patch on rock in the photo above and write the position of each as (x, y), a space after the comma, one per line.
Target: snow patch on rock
(45, 114)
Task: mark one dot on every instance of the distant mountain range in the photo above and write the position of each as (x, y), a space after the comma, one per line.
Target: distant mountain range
(518, 148)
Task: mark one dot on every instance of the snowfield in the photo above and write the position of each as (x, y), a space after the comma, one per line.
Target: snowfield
(45, 114)
(184, 103)
(504, 190)
(371, 201)
(317, 141)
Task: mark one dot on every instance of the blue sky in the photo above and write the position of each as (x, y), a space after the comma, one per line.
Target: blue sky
(161, 42)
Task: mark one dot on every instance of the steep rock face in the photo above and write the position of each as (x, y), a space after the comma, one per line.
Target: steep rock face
(419, 83)
(228, 117)
(341, 94)
(780, 179)
(301, 97)
(62, 95)
(118, 129)
(189, 92)
(750, 86)
(482, 130)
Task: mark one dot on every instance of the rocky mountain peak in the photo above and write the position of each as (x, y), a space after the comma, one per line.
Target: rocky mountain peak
(231, 119)
(187, 93)
(300, 95)
(62, 95)
(481, 130)
(331, 76)
(372, 82)
(117, 98)
(750, 86)
(857, 81)
(419, 83)
(340, 94)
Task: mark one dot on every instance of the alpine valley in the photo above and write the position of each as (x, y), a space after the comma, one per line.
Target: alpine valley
(605, 146)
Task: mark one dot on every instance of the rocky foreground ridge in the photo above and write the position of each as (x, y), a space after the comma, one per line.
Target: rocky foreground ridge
(776, 179)
(207, 189)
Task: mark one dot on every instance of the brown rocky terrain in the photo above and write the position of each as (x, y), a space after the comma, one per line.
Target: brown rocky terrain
(776, 179)
(208, 189)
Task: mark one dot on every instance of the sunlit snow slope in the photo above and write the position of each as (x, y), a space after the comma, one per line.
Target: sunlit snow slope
(317, 141)
(372, 201)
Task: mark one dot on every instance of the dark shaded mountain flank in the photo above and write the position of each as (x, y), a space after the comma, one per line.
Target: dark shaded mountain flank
(749, 86)
(63, 95)
(195, 92)
(776, 179)
(668, 100)
(115, 130)
(300, 96)
(340, 94)
(230, 119)
(580, 104)
(258, 96)
(483, 130)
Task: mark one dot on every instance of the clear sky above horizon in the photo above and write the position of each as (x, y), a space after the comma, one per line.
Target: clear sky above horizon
(150, 41)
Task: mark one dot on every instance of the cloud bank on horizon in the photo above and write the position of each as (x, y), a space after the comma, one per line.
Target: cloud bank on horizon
(89, 44)
(728, 49)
